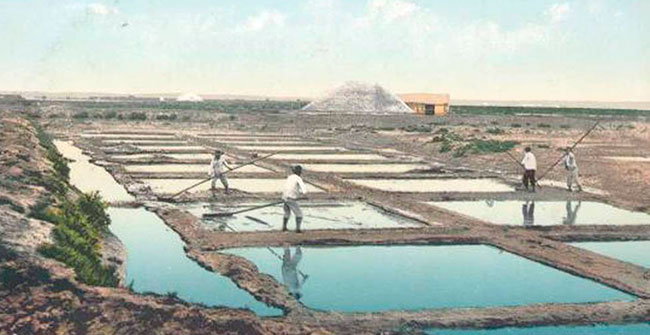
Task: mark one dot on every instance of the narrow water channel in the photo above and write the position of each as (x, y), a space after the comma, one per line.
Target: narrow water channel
(89, 177)
(156, 262)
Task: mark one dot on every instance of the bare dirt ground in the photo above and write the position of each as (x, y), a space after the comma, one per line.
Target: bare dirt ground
(625, 184)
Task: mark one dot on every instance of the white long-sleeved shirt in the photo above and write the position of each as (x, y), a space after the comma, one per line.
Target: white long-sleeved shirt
(529, 162)
(218, 166)
(294, 187)
(570, 161)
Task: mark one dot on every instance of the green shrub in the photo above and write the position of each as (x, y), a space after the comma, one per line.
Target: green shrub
(495, 131)
(137, 116)
(109, 115)
(515, 125)
(543, 125)
(80, 115)
(445, 147)
(80, 225)
(483, 147)
(166, 117)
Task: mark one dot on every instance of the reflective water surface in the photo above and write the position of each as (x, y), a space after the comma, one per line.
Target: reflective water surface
(545, 213)
(636, 252)
(156, 262)
(350, 215)
(89, 177)
(435, 185)
(376, 278)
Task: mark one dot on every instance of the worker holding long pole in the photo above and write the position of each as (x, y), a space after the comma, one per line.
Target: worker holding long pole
(218, 166)
(294, 188)
(223, 173)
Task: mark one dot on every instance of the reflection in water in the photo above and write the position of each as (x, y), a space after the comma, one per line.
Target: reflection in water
(571, 214)
(528, 210)
(290, 271)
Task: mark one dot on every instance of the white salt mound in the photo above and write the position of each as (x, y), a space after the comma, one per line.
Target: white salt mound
(359, 97)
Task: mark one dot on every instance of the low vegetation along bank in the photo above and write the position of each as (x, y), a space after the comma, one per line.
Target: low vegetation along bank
(80, 221)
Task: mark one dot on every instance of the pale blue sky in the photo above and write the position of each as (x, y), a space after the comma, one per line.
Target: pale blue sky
(473, 49)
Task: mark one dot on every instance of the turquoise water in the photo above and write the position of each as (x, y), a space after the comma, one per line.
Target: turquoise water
(377, 278)
(636, 252)
(545, 213)
(157, 263)
(633, 329)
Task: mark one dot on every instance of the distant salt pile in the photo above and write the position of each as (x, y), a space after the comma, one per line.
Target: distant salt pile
(189, 97)
(358, 97)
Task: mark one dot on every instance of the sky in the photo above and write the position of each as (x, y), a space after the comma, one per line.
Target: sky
(596, 50)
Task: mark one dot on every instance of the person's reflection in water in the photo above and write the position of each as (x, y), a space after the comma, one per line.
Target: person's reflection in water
(489, 202)
(528, 210)
(571, 214)
(290, 271)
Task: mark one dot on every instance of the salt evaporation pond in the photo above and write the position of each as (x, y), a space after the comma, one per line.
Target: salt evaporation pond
(156, 262)
(435, 185)
(288, 148)
(348, 215)
(378, 278)
(178, 168)
(635, 252)
(639, 159)
(89, 177)
(171, 148)
(235, 141)
(350, 157)
(629, 329)
(251, 185)
(545, 213)
(365, 168)
(146, 142)
(179, 156)
(135, 136)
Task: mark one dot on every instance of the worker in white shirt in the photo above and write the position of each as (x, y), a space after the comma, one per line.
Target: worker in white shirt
(218, 166)
(571, 170)
(529, 162)
(294, 188)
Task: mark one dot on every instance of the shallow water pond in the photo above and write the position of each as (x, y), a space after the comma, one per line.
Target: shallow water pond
(636, 252)
(179, 168)
(171, 148)
(288, 148)
(631, 329)
(377, 278)
(171, 141)
(435, 185)
(347, 215)
(251, 185)
(128, 136)
(179, 156)
(351, 157)
(156, 262)
(365, 168)
(89, 177)
(545, 213)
